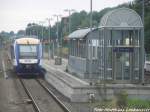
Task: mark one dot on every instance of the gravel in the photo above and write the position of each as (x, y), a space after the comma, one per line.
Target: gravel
(12, 96)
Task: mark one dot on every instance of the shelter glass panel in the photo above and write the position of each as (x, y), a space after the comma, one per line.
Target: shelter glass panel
(126, 54)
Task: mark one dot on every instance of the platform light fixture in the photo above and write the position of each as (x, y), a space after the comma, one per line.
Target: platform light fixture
(41, 23)
(49, 33)
(57, 32)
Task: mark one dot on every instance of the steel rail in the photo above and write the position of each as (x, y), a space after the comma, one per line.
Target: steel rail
(30, 96)
(54, 97)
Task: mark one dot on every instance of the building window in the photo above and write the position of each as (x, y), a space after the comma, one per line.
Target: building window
(93, 48)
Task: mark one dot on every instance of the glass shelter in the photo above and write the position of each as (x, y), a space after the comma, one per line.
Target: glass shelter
(83, 53)
(120, 46)
(113, 52)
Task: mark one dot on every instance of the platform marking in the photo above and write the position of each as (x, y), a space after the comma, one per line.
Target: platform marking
(4, 70)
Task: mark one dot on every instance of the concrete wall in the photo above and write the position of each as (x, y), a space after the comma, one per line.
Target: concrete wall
(77, 65)
(78, 91)
(80, 67)
(81, 94)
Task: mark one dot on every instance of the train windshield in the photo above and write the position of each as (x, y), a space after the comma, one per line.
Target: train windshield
(28, 51)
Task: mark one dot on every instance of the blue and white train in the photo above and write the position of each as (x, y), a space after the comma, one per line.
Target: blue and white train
(26, 55)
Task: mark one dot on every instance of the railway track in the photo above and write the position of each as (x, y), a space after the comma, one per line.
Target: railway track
(42, 98)
(30, 96)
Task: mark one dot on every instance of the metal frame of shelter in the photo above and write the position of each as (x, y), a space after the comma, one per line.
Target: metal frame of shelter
(121, 46)
(80, 54)
(115, 50)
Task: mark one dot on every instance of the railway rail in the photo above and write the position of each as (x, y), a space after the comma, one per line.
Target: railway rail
(42, 98)
(30, 96)
(54, 97)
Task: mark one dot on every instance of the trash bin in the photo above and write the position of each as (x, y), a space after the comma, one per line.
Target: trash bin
(58, 61)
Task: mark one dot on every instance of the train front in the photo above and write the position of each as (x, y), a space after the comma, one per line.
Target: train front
(28, 56)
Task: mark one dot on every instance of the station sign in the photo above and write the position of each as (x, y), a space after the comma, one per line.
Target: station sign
(123, 49)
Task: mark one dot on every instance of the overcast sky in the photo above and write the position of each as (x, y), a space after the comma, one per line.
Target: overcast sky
(16, 14)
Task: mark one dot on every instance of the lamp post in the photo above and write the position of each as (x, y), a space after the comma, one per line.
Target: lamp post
(69, 11)
(143, 50)
(90, 54)
(57, 40)
(42, 36)
(41, 23)
(91, 14)
(49, 35)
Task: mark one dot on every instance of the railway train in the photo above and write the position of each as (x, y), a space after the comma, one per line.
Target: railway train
(26, 55)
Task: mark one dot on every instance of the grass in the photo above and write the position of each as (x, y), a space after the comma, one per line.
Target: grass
(137, 103)
(131, 104)
(104, 104)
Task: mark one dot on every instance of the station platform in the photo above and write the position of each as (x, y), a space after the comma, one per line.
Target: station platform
(59, 71)
(78, 90)
(64, 82)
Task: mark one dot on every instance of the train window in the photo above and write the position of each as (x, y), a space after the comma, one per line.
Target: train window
(27, 48)
(28, 51)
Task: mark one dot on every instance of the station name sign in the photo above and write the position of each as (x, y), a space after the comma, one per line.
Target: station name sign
(123, 49)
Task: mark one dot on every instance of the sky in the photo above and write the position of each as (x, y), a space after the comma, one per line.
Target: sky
(16, 14)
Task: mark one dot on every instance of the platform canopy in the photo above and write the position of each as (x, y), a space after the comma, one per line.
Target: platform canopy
(121, 18)
(80, 33)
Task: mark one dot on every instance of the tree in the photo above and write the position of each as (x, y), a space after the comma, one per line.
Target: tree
(137, 6)
(82, 20)
(11, 33)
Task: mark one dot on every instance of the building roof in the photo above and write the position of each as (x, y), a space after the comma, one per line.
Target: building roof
(81, 33)
(121, 17)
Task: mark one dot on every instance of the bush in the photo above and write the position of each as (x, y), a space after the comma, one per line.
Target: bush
(122, 98)
(64, 52)
(137, 103)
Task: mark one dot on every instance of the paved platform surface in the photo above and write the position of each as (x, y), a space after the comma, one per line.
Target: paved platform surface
(59, 72)
(51, 62)
(64, 82)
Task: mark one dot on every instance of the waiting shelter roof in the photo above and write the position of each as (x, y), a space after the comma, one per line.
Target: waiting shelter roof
(121, 17)
(80, 33)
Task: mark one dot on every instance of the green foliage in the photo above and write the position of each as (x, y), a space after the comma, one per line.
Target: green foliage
(21, 32)
(64, 52)
(121, 99)
(4, 36)
(82, 20)
(137, 103)
(78, 20)
(130, 104)
(137, 6)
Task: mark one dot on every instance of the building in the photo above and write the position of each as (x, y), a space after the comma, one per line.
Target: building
(80, 53)
(113, 52)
